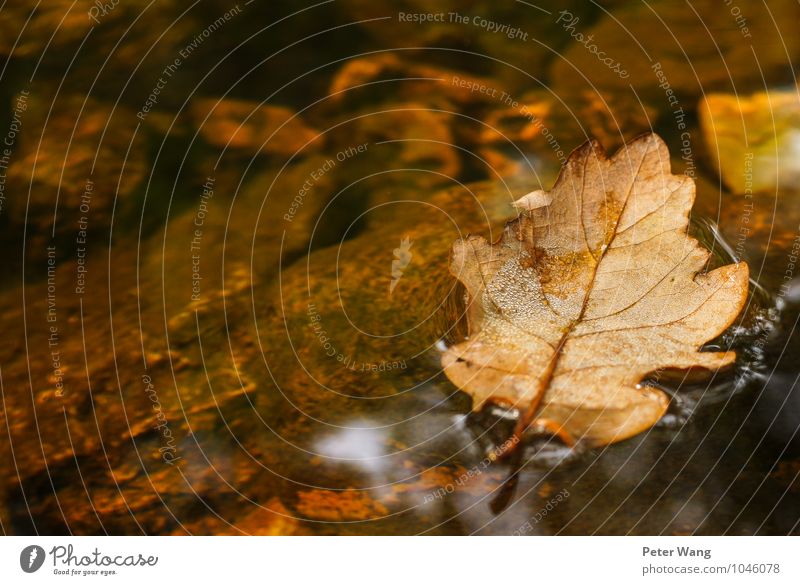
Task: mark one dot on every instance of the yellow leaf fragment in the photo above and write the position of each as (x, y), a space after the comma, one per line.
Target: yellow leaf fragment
(593, 287)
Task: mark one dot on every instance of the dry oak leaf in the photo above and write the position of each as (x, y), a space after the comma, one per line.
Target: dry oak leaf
(594, 286)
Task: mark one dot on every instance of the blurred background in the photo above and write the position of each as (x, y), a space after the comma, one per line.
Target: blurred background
(225, 232)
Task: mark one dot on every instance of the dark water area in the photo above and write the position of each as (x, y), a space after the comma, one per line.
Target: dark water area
(226, 233)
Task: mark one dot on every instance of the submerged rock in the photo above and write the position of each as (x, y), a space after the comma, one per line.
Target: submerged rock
(253, 127)
(75, 160)
(68, 18)
(387, 76)
(408, 136)
(162, 417)
(452, 123)
(506, 40)
(695, 49)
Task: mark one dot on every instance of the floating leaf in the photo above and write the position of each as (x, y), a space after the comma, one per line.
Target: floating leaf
(594, 286)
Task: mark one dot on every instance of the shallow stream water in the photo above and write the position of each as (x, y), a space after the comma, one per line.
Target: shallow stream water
(226, 233)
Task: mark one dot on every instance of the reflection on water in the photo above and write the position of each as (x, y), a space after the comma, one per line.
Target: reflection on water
(229, 225)
(360, 447)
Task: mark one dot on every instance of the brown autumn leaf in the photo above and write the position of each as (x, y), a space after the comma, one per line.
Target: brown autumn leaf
(594, 286)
